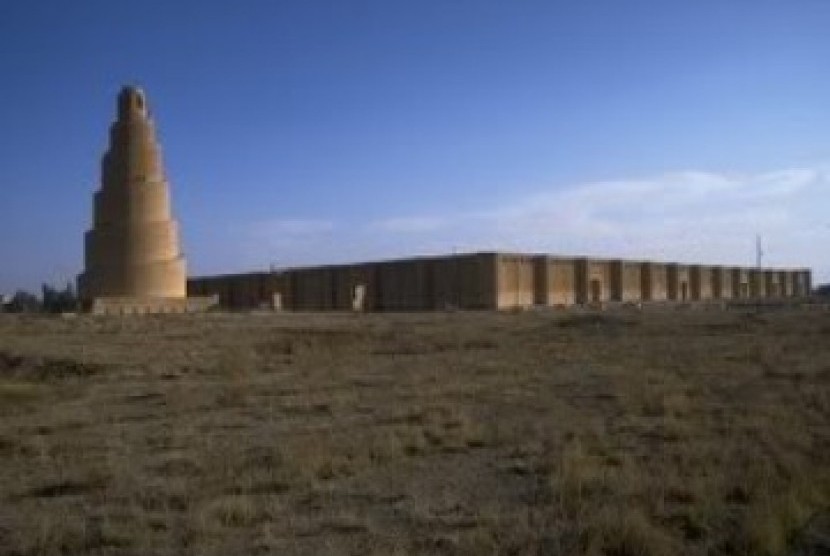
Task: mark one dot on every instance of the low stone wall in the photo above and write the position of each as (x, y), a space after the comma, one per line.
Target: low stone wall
(150, 306)
(491, 280)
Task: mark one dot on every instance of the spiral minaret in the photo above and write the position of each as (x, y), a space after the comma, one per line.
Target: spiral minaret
(132, 249)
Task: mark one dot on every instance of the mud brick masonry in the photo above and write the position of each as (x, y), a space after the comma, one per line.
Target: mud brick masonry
(133, 261)
(495, 281)
(132, 258)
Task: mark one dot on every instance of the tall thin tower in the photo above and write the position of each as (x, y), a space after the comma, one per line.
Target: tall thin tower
(759, 252)
(132, 250)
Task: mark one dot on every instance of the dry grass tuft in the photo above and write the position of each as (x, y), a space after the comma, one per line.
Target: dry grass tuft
(16, 394)
(627, 532)
(689, 432)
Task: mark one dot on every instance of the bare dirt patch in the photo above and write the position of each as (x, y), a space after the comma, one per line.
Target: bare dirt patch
(608, 433)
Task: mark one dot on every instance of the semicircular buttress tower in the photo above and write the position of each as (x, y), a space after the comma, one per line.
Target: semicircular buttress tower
(132, 250)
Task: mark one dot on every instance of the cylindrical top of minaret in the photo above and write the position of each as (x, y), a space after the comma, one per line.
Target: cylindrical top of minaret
(131, 104)
(133, 153)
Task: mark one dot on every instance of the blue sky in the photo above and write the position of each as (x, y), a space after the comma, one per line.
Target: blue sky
(312, 132)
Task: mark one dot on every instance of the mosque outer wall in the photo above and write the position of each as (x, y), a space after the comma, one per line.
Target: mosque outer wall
(625, 281)
(787, 283)
(678, 282)
(492, 281)
(700, 280)
(555, 281)
(514, 285)
(802, 282)
(722, 283)
(740, 283)
(757, 283)
(593, 281)
(653, 282)
(775, 286)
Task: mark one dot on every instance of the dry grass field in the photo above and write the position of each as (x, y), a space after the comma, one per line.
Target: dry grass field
(539, 433)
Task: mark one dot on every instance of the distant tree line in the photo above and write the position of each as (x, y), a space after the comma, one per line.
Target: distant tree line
(51, 300)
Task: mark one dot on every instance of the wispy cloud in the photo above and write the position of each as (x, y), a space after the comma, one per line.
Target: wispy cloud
(293, 227)
(409, 225)
(684, 216)
(282, 242)
(693, 215)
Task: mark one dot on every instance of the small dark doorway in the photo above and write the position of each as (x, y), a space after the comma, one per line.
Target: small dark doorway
(684, 291)
(596, 291)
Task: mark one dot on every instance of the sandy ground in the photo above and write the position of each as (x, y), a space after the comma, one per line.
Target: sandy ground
(681, 431)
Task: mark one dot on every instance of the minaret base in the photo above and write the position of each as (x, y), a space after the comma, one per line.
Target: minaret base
(149, 305)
